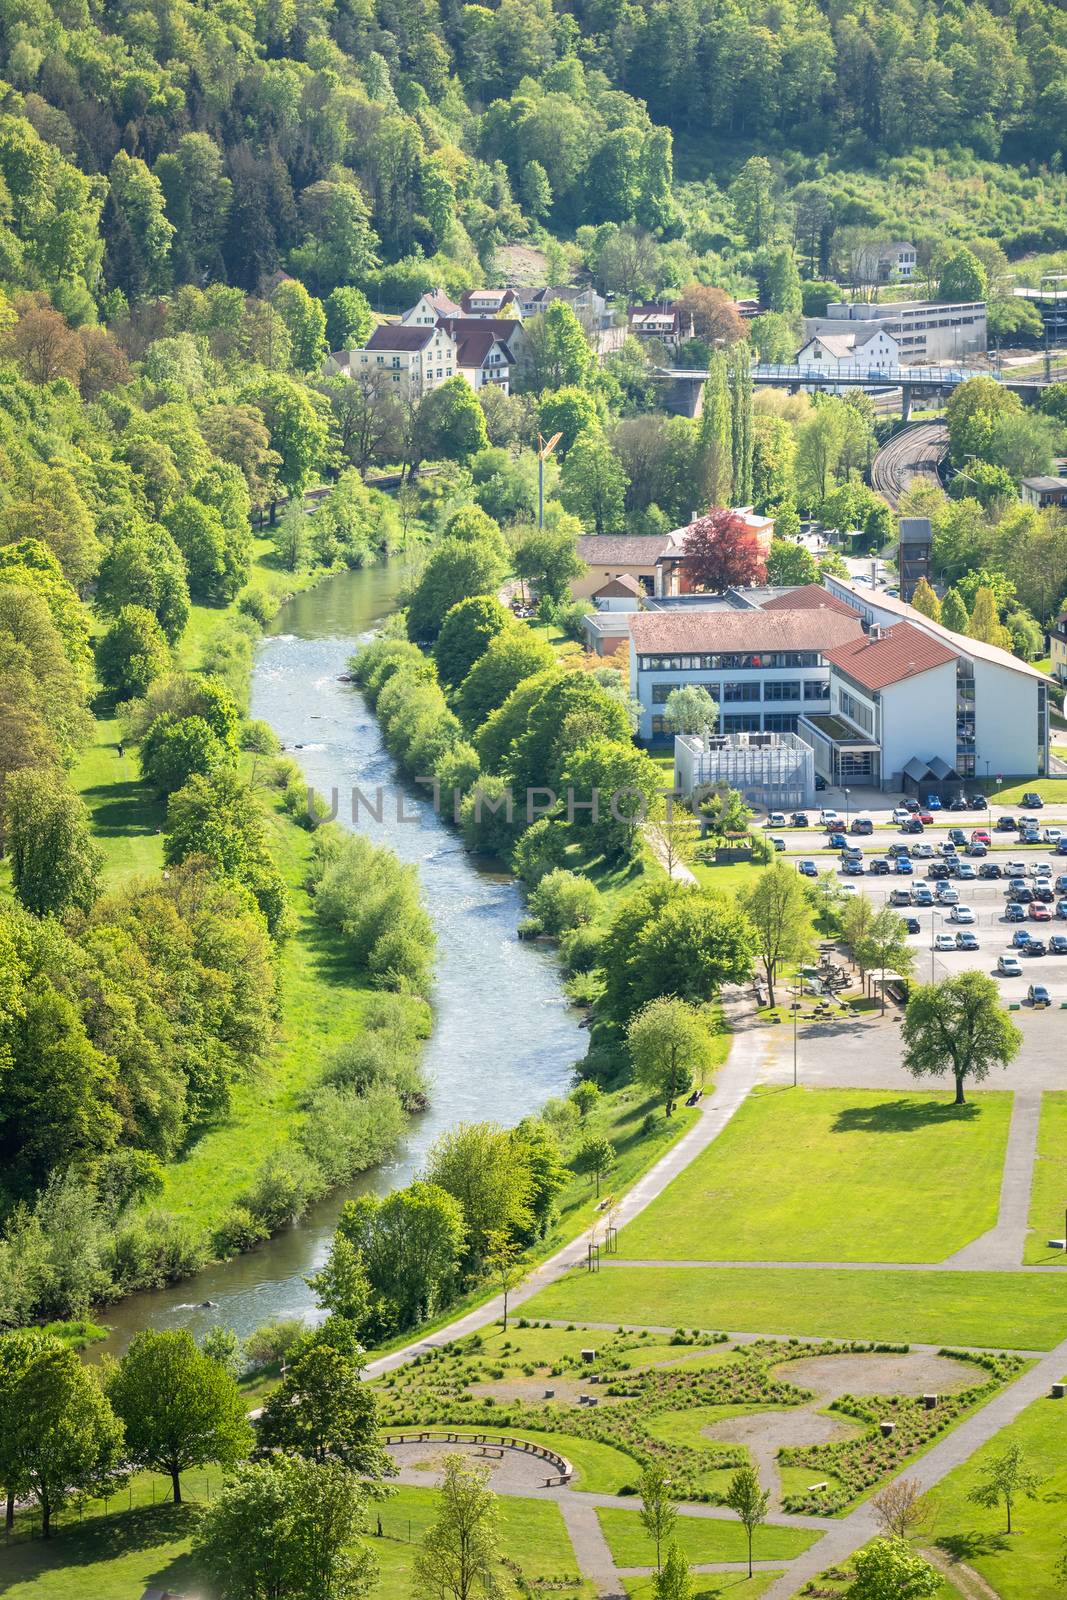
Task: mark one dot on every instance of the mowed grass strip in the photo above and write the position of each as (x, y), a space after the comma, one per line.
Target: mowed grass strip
(834, 1175)
(700, 1539)
(1048, 1192)
(990, 1310)
(1023, 1565)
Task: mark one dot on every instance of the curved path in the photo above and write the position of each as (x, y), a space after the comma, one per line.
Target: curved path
(915, 452)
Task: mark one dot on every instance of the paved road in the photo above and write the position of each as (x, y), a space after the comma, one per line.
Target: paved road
(915, 452)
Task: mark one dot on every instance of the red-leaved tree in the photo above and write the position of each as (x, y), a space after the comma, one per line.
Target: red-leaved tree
(721, 553)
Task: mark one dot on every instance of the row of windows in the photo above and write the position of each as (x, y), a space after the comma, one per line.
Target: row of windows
(728, 663)
(773, 689)
(739, 722)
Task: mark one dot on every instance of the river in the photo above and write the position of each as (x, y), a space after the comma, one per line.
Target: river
(504, 1037)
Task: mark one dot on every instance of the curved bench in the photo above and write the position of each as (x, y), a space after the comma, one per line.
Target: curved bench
(562, 1473)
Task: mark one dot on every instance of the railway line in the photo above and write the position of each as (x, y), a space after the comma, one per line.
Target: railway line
(915, 452)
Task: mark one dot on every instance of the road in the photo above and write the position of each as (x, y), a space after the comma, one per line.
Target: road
(916, 451)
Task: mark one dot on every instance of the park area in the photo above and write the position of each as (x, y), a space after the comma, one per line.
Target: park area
(834, 1175)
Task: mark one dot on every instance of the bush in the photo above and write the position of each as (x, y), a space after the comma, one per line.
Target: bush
(563, 900)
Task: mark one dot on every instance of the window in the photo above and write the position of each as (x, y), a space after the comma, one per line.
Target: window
(782, 689)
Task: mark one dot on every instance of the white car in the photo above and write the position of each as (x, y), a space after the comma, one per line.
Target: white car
(944, 941)
(1008, 967)
(961, 914)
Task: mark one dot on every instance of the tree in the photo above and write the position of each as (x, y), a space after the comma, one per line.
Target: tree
(466, 633)
(954, 612)
(180, 1409)
(323, 1411)
(592, 484)
(132, 653)
(790, 563)
(899, 1508)
(720, 553)
(452, 421)
(475, 1163)
(925, 600)
(349, 318)
(674, 1580)
(885, 947)
(963, 277)
(457, 569)
(691, 709)
(596, 1156)
(1003, 1480)
(958, 1026)
(63, 1436)
(668, 1043)
(410, 1244)
(54, 862)
(548, 559)
(502, 1261)
(458, 1557)
(557, 352)
(658, 1511)
(778, 909)
(749, 1501)
(888, 1569)
(286, 1527)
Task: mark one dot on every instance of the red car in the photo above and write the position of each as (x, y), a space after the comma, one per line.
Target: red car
(1039, 913)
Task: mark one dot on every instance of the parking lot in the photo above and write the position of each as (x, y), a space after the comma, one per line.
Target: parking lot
(985, 897)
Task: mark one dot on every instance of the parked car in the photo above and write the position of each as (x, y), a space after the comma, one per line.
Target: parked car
(807, 869)
(1057, 945)
(1038, 995)
(933, 802)
(1020, 939)
(961, 914)
(1008, 967)
(1032, 799)
(989, 869)
(800, 819)
(1039, 913)
(912, 925)
(944, 941)
(1014, 913)
(966, 941)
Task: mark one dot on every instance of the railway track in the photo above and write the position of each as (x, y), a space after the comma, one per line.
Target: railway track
(917, 451)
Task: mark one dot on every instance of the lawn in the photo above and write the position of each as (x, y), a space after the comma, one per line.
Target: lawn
(830, 1175)
(1048, 1196)
(130, 1550)
(729, 1585)
(700, 1539)
(984, 1309)
(1021, 1566)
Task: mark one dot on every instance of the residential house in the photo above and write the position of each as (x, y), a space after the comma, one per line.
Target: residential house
(1044, 491)
(666, 323)
(429, 308)
(416, 359)
(869, 350)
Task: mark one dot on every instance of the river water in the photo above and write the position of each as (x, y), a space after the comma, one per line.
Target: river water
(504, 1037)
